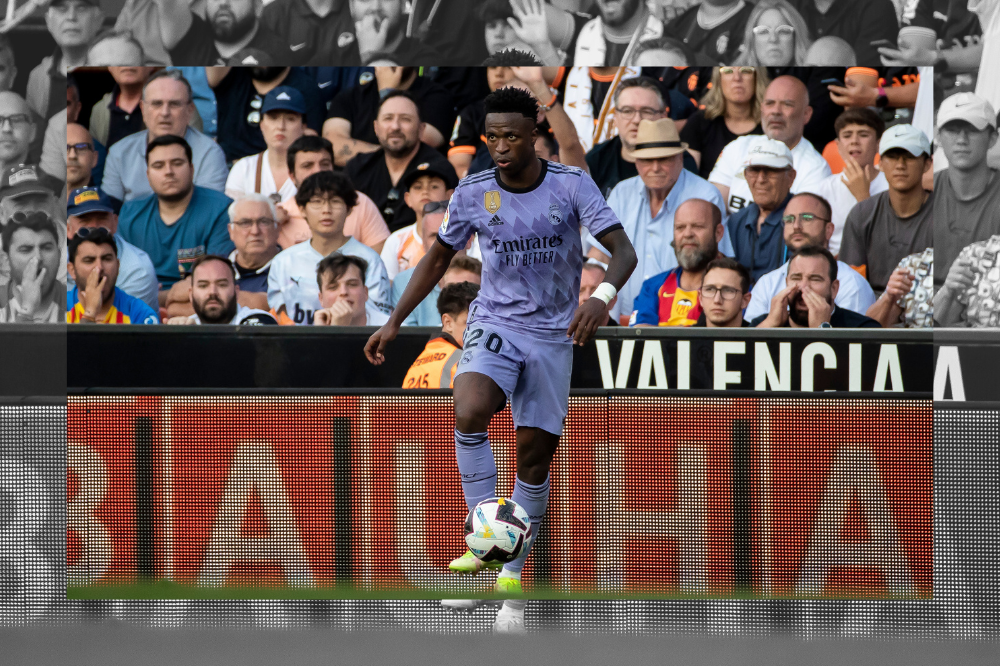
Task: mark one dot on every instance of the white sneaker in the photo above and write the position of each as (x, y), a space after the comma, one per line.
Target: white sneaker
(509, 620)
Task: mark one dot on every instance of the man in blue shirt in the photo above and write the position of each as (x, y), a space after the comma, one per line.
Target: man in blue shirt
(93, 262)
(180, 222)
(167, 107)
(756, 230)
(90, 208)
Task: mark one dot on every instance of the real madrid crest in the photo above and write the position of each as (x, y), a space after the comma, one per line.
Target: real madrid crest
(491, 201)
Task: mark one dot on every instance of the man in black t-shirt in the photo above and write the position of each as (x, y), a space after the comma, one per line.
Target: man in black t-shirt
(318, 32)
(231, 29)
(861, 23)
(381, 31)
(239, 95)
(378, 174)
(349, 123)
(713, 29)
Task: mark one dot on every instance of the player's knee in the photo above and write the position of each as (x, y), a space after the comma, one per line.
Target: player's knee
(470, 419)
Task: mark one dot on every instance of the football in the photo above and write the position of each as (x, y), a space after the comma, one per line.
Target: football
(497, 530)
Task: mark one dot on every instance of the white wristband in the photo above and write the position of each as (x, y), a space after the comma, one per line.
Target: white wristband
(606, 292)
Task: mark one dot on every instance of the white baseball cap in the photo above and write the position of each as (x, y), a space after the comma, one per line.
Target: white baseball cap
(907, 137)
(766, 152)
(968, 107)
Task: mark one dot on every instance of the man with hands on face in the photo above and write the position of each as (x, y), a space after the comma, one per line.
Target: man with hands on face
(34, 295)
(93, 264)
(342, 291)
(807, 301)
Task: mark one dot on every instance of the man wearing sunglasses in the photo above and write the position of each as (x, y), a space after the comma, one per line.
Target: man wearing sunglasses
(806, 222)
(427, 189)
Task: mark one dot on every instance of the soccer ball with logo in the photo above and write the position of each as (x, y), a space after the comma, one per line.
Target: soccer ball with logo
(498, 530)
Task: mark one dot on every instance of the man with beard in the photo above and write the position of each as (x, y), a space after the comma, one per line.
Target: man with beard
(784, 115)
(350, 123)
(378, 174)
(606, 40)
(240, 93)
(672, 298)
(214, 297)
(380, 26)
(33, 295)
(807, 301)
(96, 298)
(232, 27)
(167, 108)
(180, 222)
(807, 222)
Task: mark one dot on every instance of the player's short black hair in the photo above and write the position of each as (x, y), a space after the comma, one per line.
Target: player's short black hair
(37, 221)
(814, 251)
(823, 203)
(214, 257)
(95, 235)
(329, 182)
(456, 297)
(512, 58)
(307, 143)
(730, 264)
(169, 140)
(398, 93)
(512, 100)
(337, 264)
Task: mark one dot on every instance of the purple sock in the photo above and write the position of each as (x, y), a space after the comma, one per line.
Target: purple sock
(477, 467)
(534, 500)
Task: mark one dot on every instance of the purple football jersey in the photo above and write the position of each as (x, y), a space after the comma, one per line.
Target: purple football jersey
(530, 241)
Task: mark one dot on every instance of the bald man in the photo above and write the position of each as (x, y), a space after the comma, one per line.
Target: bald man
(672, 298)
(17, 131)
(784, 115)
(830, 52)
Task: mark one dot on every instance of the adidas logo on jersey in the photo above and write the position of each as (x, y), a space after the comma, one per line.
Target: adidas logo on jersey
(495, 221)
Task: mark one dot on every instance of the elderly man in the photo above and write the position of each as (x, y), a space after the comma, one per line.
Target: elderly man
(379, 174)
(646, 205)
(724, 294)
(254, 231)
(73, 25)
(117, 114)
(808, 299)
(34, 294)
(807, 222)
(967, 193)
(180, 221)
(308, 155)
(89, 208)
(671, 298)
(17, 132)
(784, 115)
(756, 229)
(167, 108)
(282, 121)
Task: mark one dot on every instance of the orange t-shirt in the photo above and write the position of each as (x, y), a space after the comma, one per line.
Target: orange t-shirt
(364, 223)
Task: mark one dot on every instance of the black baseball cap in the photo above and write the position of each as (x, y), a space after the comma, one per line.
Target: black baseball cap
(444, 171)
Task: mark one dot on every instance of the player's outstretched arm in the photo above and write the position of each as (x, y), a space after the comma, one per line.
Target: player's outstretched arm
(594, 311)
(428, 273)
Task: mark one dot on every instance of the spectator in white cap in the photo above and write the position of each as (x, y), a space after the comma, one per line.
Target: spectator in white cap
(858, 133)
(784, 114)
(807, 222)
(967, 193)
(887, 227)
(756, 230)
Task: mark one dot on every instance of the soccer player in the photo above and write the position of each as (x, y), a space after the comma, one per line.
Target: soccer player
(517, 343)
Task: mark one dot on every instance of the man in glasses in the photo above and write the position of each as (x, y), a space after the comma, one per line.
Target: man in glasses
(253, 228)
(806, 222)
(713, 29)
(17, 132)
(672, 298)
(90, 208)
(311, 154)
(427, 190)
(167, 109)
(887, 227)
(784, 115)
(724, 294)
(96, 298)
(81, 157)
(326, 198)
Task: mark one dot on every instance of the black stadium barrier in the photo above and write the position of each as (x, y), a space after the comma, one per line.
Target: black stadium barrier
(891, 371)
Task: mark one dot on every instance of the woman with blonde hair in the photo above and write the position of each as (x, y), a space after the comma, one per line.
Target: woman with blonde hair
(776, 36)
(731, 108)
